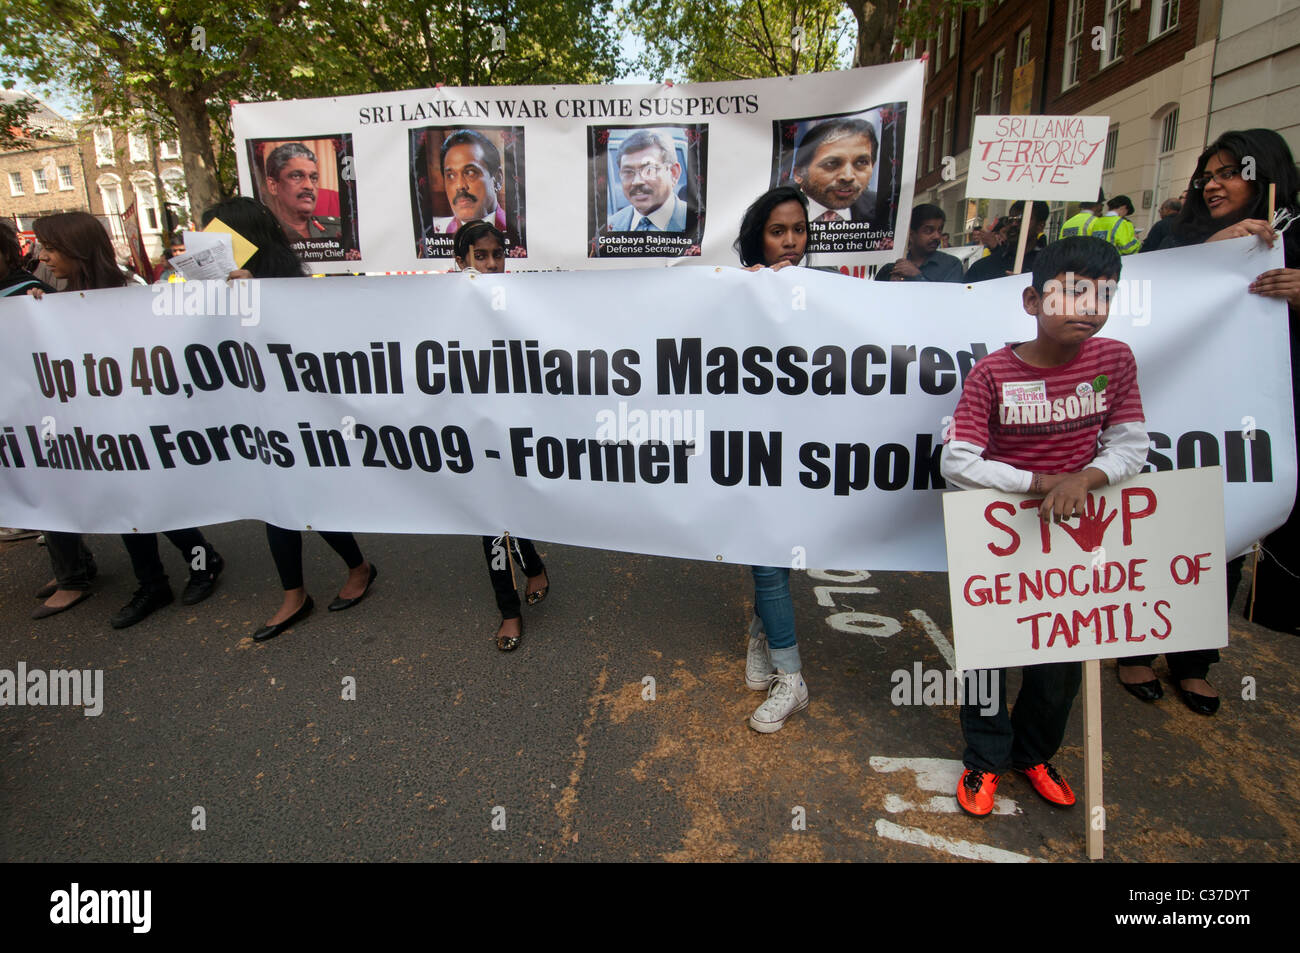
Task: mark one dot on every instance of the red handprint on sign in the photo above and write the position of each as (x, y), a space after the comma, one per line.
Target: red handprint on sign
(1092, 524)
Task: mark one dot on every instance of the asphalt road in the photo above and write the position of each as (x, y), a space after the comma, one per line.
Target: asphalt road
(454, 751)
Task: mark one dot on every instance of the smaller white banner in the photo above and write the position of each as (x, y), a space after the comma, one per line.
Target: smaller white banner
(1141, 572)
(1056, 158)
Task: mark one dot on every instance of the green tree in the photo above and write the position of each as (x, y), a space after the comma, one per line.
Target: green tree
(14, 115)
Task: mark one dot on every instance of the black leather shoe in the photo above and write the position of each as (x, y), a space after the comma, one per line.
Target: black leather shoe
(203, 581)
(1201, 704)
(1147, 691)
(142, 605)
(271, 631)
(339, 604)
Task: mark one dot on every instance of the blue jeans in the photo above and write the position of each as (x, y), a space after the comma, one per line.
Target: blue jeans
(773, 605)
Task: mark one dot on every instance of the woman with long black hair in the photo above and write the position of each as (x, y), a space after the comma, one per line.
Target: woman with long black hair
(75, 247)
(275, 258)
(1228, 197)
(774, 234)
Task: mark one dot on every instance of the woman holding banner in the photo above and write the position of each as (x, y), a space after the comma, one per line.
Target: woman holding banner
(774, 234)
(480, 248)
(1245, 183)
(275, 258)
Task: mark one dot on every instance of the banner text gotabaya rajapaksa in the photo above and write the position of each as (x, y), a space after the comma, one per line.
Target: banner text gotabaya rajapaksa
(772, 417)
(587, 176)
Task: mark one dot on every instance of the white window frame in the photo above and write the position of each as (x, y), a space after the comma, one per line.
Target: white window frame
(1169, 132)
(104, 150)
(938, 46)
(1112, 149)
(933, 154)
(40, 185)
(1024, 46)
(947, 125)
(954, 25)
(1113, 21)
(1159, 10)
(16, 184)
(169, 149)
(1070, 63)
(110, 188)
(976, 93)
(65, 181)
(983, 14)
(137, 144)
(996, 82)
(146, 197)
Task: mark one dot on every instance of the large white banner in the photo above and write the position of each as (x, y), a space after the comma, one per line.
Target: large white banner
(587, 176)
(813, 403)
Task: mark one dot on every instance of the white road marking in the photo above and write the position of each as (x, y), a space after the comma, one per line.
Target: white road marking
(958, 848)
(936, 636)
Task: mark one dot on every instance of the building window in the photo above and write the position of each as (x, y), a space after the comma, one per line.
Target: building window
(976, 95)
(1169, 131)
(110, 192)
(938, 47)
(1113, 21)
(38, 177)
(1164, 17)
(934, 138)
(65, 177)
(999, 68)
(16, 183)
(1073, 45)
(953, 23)
(171, 148)
(138, 144)
(984, 13)
(1112, 147)
(104, 146)
(947, 125)
(1022, 47)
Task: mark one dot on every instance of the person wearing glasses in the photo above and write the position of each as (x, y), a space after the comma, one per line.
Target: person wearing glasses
(1228, 198)
(649, 172)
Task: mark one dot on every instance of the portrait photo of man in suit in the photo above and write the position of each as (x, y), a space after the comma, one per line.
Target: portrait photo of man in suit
(833, 167)
(649, 173)
(471, 177)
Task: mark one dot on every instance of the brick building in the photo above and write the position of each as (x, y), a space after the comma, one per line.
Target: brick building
(1148, 66)
(42, 174)
(125, 165)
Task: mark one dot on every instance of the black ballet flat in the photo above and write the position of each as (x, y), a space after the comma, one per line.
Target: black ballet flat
(1146, 691)
(271, 631)
(339, 603)
(1201, 704)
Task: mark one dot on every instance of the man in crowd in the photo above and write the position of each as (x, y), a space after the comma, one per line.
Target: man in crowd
(1081, 222)
(1160, 230)
(924, 261)
(649, 172)
(1002, 259)
(292, 178)
(833, 167)
(1114, 226)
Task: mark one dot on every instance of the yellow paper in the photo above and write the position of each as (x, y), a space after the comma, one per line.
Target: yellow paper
(242, 247)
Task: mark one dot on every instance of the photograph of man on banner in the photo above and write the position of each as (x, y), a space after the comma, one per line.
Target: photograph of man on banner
(461, 175)
(310, 186)
(646, 194)
(845, 165)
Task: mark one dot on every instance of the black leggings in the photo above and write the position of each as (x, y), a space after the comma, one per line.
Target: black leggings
(286, 550)
(147, 564)
(503, 584)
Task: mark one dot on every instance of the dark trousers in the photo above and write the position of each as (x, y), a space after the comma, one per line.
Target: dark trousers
(286, 550)
(73, 564)
(147, 564)
(498, 560)
(1196, 663)
(1032, 733)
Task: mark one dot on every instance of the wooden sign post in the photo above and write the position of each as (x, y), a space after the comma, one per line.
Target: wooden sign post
(1142, 572)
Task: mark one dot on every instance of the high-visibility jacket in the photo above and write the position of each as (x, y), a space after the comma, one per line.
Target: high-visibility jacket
(1117, 230)
(1078, 224)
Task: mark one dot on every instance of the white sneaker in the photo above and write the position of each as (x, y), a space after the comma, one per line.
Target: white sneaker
(759, 670)
(787, 695)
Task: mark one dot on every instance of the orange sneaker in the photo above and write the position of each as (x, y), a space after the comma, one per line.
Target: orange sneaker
(1049, 784)
(975, 791)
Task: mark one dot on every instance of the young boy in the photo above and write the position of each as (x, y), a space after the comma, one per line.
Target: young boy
(1082, 446)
